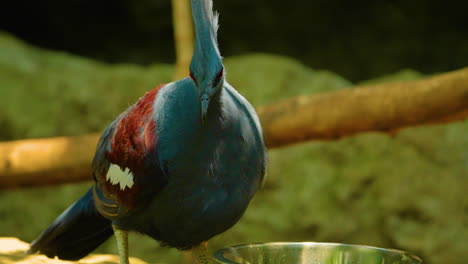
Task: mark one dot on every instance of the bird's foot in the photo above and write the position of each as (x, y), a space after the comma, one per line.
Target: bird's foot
(200, 253)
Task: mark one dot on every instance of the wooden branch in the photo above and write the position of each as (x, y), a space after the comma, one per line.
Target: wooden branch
(384, 107)
(183, 36)
(46, 161)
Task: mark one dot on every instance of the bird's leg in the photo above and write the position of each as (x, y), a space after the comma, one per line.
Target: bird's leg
(200, 253)
(122, 244)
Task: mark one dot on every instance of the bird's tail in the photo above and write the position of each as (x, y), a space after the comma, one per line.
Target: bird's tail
(75, 233)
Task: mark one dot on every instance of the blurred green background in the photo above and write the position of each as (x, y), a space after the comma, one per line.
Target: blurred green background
(406, 191)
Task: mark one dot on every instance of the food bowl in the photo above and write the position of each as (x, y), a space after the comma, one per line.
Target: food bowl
(311, 253)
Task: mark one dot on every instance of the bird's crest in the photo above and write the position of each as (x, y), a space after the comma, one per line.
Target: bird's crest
(204, 17)
(212, 16)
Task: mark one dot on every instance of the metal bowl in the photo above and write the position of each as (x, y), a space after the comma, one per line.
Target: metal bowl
(312, 253)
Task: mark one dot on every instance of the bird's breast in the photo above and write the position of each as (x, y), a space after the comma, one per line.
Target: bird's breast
(212, 169)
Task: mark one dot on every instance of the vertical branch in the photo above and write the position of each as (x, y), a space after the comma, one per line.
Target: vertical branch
(183, 36)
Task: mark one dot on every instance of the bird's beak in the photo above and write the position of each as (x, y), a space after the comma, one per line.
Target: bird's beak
(205, 100)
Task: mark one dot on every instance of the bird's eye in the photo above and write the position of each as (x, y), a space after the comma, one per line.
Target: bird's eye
(218, 77)
(193, 78)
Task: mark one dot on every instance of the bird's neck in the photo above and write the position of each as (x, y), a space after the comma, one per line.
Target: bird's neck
(215, 107)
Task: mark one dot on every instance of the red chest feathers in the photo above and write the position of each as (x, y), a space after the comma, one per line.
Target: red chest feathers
(135, 133)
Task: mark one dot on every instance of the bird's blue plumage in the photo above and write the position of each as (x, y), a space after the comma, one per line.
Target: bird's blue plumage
(212, 170)
(182, 164)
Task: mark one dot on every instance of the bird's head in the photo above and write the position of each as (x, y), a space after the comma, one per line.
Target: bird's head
(206, 68)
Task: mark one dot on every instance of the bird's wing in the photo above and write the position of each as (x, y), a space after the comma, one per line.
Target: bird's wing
(126, 165)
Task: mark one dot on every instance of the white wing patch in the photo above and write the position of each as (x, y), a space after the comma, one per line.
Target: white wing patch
(116, 176)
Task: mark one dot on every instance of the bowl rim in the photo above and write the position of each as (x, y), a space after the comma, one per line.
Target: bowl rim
(219, 254)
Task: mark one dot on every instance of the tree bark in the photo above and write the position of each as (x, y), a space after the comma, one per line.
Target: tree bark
(384, 107)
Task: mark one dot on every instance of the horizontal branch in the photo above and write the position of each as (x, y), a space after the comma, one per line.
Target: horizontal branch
(46, 161)
(384, 107)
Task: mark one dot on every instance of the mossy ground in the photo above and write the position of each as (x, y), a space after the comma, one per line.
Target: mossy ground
(405, 191)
